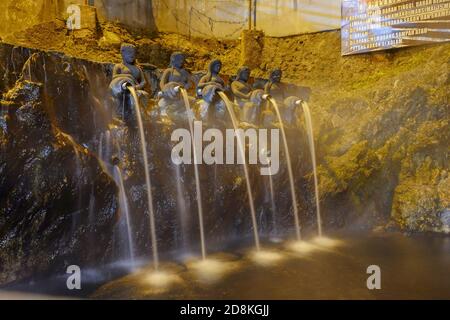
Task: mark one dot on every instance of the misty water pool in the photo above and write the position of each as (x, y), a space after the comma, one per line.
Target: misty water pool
(412, 267)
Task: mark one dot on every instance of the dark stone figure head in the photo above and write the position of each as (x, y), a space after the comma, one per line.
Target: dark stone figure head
(214, 67)
(177, 60)
(243, 74)
(275, 75)
(128, 52)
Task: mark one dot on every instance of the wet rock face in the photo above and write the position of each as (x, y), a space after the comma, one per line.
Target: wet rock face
(48, 182)
(73, 90)
(383, 144)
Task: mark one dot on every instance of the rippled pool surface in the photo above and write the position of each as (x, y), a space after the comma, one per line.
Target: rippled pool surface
(412, 267)
(415, 267)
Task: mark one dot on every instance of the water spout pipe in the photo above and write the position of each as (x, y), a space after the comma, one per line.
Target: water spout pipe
(161, 94)
(125, 86)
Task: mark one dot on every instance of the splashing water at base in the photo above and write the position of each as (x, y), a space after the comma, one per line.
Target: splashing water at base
(289, 166)
(212, 270)
(160, 281)
(124, 206)
(327, 242)
(323, 274)
(301, 247)
(312, 148)
(147, 179)
(266, 257)
(229, 106)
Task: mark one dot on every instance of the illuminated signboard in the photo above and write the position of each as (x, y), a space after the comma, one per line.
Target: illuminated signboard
(370, 25)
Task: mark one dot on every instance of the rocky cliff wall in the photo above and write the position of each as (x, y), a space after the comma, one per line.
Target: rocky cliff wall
(56, 200)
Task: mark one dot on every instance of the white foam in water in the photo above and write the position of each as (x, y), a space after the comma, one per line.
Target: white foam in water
(211, 270)
(326, 242)
(266, 257)
(276, 240)
(302, 247)
(161, 279)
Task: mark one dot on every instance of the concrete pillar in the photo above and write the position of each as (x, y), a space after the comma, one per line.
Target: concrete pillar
(252, 44)
(88, 13)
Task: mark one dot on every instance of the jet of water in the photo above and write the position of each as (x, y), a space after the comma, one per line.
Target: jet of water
(229, 106)
(289, 166)
(100, 147)
(44, 67)
(147, 178)
(182, 207)
(197, 177)
(108, 146)
(78, 172)
(124, 206)
(309, 128)
(272, 203)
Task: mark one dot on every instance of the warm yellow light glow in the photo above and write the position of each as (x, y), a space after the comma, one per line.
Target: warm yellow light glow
(327, 242)
(302, 247)
(161, 279)
(266, 257)
(211, 270)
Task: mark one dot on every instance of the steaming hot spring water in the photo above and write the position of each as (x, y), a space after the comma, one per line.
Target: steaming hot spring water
(276, 256)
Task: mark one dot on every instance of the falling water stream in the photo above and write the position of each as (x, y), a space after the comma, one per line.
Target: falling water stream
(100, 147)
(182, 207)
(92, 218)
(125, 208)
(78, 172)
(147, 179)
(289, 166)
(197, 177)
(29, 69)
(44, 67)
(309, 128)
(27, 66)
(272, 203)
(247, 178)
(108, 146)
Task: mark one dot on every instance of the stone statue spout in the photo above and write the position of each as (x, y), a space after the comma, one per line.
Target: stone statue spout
(125, 75)
(174, 78)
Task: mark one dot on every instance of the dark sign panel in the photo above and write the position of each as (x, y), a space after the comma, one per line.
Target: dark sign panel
(370, 25)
